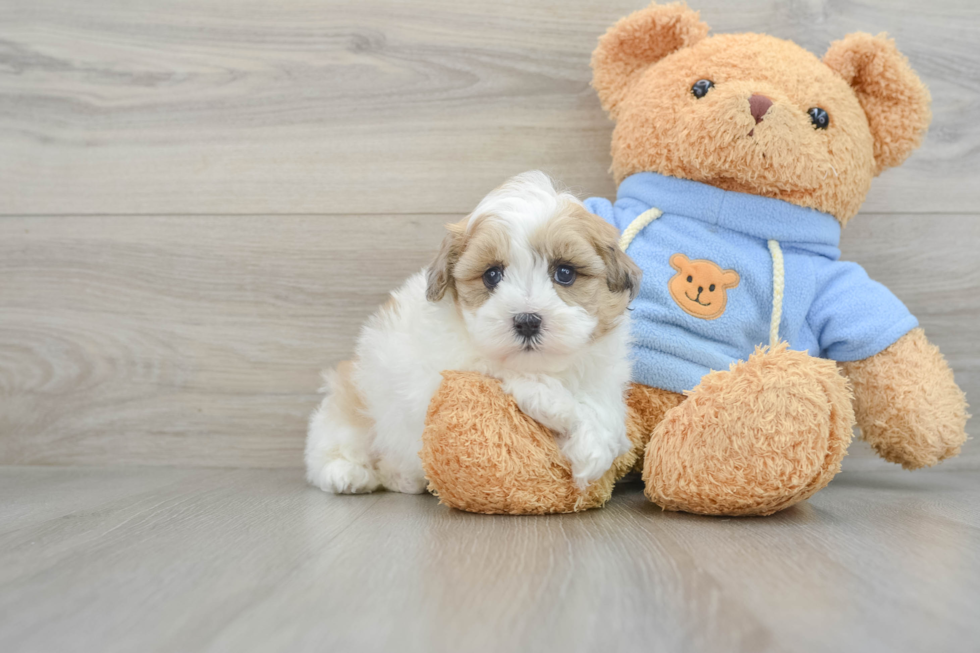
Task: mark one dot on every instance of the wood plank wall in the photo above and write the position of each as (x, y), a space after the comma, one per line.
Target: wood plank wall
(200, 201)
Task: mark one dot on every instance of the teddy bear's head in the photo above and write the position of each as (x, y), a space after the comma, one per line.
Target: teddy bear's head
(757, 114)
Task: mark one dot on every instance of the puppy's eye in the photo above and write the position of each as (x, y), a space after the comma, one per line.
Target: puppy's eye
(565, 275)
(819, 118)
(690, 278)
(701, 88)
(711, 288)
(492, 277)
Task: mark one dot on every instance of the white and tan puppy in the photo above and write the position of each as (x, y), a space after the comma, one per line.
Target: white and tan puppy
(532, 289)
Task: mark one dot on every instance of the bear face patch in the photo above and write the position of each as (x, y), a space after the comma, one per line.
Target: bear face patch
(700, 287)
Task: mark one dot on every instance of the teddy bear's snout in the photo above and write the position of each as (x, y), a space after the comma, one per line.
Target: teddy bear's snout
(758, 105)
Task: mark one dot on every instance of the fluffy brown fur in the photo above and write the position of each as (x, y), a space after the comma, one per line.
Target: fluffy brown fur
(749, 441)
(482, 454)
(648, 406)
(752, 440)
(607, 279)
(463, 257)
(772, 430)
(646, 64)
(485, 245)
(908, 405)
(894, 100)
(440, 276)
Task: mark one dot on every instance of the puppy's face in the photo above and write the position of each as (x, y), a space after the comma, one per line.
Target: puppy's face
(535, 276)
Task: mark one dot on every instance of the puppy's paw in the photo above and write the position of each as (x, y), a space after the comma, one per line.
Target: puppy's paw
(618, 440)
(591, 450)
(341, 476)
(401, 481)
(544, 400)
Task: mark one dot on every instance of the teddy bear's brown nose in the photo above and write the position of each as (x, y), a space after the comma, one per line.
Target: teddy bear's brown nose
(758, 105)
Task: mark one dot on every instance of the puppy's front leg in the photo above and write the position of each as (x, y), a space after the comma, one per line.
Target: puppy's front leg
(591, 431)
(598, 438)
(543, 399)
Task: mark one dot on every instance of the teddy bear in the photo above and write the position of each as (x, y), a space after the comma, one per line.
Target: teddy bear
(739, 160)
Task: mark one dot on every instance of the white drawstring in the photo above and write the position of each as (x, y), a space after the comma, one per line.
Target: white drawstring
(778, 272)
(635, 227)
(778, 285)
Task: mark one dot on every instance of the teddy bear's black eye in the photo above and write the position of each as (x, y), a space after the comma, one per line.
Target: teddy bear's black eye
(701, 88)
(690, 278)
(819, 118)
(711, 288)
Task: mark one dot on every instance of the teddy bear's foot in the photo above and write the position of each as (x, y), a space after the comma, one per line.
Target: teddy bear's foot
(647, 406)
(482, 454)
(752, 440)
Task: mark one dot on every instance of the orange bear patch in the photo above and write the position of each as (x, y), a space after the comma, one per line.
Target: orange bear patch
(700, 287)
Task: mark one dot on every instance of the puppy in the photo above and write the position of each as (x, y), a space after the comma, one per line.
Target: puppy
(532, 289)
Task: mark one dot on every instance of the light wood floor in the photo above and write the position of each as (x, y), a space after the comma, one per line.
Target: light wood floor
(191, 559)
(202, 200)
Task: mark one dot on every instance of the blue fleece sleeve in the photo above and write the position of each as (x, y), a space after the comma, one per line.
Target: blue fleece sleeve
(602, 208)
(852, 316)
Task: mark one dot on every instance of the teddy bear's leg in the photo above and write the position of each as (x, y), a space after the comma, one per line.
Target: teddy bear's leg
(480, 453)
(765, 434)
(908, 405)
(647, 407)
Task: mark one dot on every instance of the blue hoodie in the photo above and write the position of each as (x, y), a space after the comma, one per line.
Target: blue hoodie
(830, 308)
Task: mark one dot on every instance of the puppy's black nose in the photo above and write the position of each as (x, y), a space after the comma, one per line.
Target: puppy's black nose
(527, 325)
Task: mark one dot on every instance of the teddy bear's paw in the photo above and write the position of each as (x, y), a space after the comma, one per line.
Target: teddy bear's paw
(908, 405)
(752, 440)
(481, 454)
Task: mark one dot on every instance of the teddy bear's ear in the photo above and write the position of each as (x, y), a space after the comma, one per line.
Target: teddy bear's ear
(642, 38)
(678, 261)
(730, 278)
(894, 99)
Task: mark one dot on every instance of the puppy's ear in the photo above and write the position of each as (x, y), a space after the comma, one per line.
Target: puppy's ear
(637, 41)
(440, 273)
(622, 274)
(894, 99)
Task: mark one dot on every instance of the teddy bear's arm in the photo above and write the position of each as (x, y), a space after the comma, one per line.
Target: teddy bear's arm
(907, 404)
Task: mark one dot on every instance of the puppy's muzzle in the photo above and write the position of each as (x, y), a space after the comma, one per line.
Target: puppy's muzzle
(527, 325)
